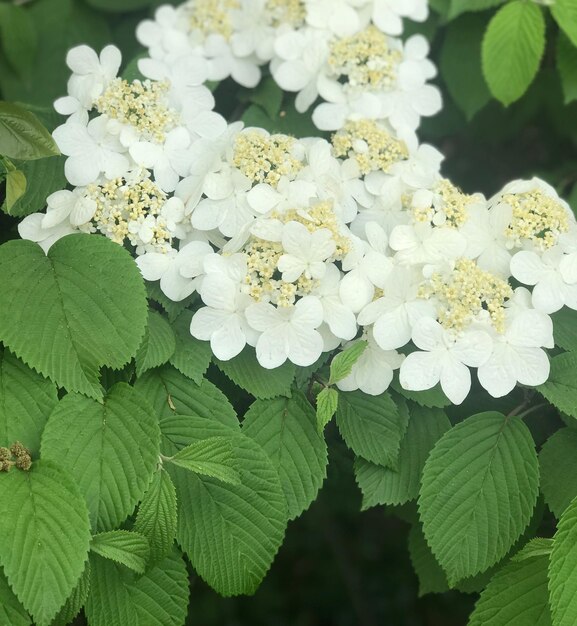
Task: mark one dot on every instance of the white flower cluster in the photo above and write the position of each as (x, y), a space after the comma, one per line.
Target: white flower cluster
(301, 246)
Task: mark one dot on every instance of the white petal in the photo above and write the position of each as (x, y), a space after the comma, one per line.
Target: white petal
(308, 313)
(455, 380)
(548, 294)
(262, 316)
(229, 340)
(206, 321)
(420, 371)
(272, 347)
(531, 329)
(305, 345)
(291, 267)
(393, 330)
(153, 265)
(497, 375)
(527, 267)
(428, 334)
(473, 348)
(533, 366)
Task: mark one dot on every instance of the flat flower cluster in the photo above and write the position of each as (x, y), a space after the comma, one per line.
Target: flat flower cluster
(302, 246)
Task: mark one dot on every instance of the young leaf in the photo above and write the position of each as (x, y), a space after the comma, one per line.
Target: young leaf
(567, 66)
(342, 364)
(372, 426)
(563, 569)
(432, 578)
(327, 405)
(157, 513)
(18, 37)
(286, 430)
(210, 457)
(45, 504)
(536, 547)
(231, 533)
(383, 485)
(158, 344)
(15, 187)
(517, 594)
(191, 356)
(69, 313)
(512, 49)
(119, 598)
(561, 388)
(479, 487)
(558, 461)
(75, 600)
(12, 612)
(22, 135)
(565, 14)
(111, 448)
(127, 548)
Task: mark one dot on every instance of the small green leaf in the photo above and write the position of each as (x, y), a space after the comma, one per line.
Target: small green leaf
(561, 388)
(327, 405)
(191, 356)
(558, 461)
(462, 6)
(512, 49)
(567, 66)
(18, 37)
(22, 136)
(342, 364)
(267, 95)
(15, 187)
(536, 547)
(210, 457)
(157, 513)
(565, 14)
(12, 613)
(158, 344)
(127, 548)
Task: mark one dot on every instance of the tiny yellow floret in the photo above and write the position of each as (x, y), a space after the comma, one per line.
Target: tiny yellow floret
(290, 12)
(212, 17)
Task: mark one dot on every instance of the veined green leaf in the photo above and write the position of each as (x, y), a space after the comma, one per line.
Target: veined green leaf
(565, 328)
(12, 612)
(75, 600)
(342, 364)
(567, 66)
(432, 578)
(210, 457)
(561, 387)
(158, 344)
(123, 546)
(539, 546)
(15, 187)
(327, 405)
(191, 356)
(565, 14)
(558, 461)
(22, 136)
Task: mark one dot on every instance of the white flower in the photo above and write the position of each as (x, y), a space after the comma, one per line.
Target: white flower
(91, 73)
(422, 243)
(445, 359)
(31, 228)
(287, 333)
(166, 34)
(339, 318)
(264, 198)
(222, 62)
(305, 252)
(388, 14)
(340, 17)
(72, 206)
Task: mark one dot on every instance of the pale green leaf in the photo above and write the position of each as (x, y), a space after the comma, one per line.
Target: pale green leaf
(15, 188)
(192, 356)
(26, 401)
(432, 578)
(111, 448)
(539, 546)
(462, 6)
(246, 372)
(127, 548)
(561, 387)
(327, 405)
(75, 600)
(512, 49)
(118, 597)
(372, 426)
(230, 533)
(479, 488)
(212, 457)
(517, 594)
(170, 393)
(22, 136)
(79, 308)
(383, 485)
(342, 364)
(567, 66)
(158, 344)
(18, 37)
(44, 537)
(565, 14)
(286, 430)
(157, 514)
(558, 461)
(12, 613)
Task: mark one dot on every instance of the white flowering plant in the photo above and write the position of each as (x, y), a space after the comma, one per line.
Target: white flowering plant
(234, 254)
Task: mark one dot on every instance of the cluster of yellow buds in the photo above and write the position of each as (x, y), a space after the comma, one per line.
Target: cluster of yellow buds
(15, 456)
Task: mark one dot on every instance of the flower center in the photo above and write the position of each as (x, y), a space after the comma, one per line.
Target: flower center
(212, 17)
(448, 208)
(290, 12)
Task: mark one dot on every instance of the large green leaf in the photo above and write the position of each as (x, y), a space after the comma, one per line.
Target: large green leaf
(247, 373)
(26, 401)
(561, 387)
(479, 487)
(69, 313)
(567, 66)
(383, 485)
(432, 578)
(127, 548)
(558, 461)
(22, 135)
(75, 600)
(171, 392)
(212, 457)
(191, 356)
(230, 533)
(157, 514)
(565, 14)
(372, 426)
(158, 344)
(286, 429)
(517, 594)
(512, 49)
(118, 597)
(563, 570)
(12, 613)
(111, 448)
(44, 537)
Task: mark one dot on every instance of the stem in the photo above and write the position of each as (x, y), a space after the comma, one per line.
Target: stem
(532, 409)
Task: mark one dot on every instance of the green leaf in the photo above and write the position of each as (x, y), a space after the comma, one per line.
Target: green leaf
(432, 578)
(567, 66)
(512, 49)
(563, 569)
(327, 405)
(158, 344)
(120, 598)
(111, 448)
(536, 547)
(15, 187)
(172, 309)
(517, 594)
(558, 461)
(75, 601)
(230, 533)
(18, 37)
(210, 457)
(245, 371)
(26, 401)
(268, 95)
(119, 6)
(286, 430)
(192, 356)
(431, 398)
(22, 136)
(565, 328)
(170, 392)
(479, 488)
(79, 308)
(565, 14)
(157, 514)
(127, 548)
(372, 426)
(12, 613)
(342, 364)
(44, 537)
(561, 388)
(383, 485)
(462, 6)
(465, 81)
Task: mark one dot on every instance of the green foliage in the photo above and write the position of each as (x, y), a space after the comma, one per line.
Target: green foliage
(462, 6)
(565, 14)
(158, 344)
(15, 188)
(191, 356)
(480, 485)
(342, 364)
(327, 405)
(127, 548)
(75, 601)
(22, 135)
(209, 457)
(558, 462)
(11, 611)
(432, 578)
(43, 503)
(286, 430)
(561, 388)
(567, 66)
(18, 37)
(79, 308)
